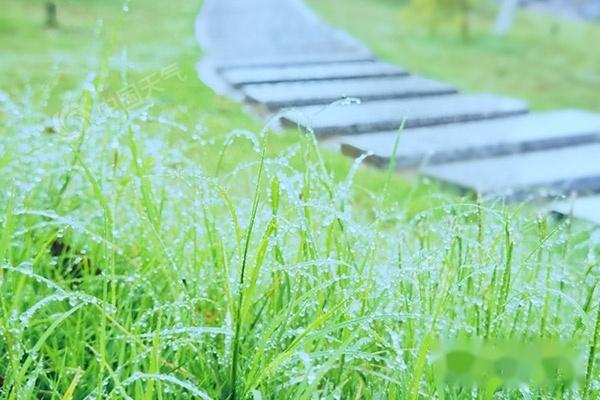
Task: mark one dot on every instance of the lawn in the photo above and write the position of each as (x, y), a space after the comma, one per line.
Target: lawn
(172, 248)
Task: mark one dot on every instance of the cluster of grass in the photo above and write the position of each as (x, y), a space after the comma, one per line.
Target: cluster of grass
(130, 271)
(550, 62)
(157, 252)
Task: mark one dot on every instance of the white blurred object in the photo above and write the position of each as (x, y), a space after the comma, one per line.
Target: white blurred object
(576, 9)
(505, 18)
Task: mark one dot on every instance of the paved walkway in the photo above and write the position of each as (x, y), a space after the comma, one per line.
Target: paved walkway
(277, 55)
(268, 32)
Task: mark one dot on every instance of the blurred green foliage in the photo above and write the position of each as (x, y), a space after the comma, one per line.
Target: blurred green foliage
(493, 364)
(436, 12)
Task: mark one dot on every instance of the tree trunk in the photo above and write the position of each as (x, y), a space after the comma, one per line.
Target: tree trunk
(506, 16)
(465, 27)
(51, 20)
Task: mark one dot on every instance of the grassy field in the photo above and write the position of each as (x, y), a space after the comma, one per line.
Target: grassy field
(172, 248)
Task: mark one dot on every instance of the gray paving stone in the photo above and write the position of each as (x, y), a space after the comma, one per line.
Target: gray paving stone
(235, 32)
(540, 173)
(312, 72)
(585, 208)
(283, 61)
(280, 95)
(389, 114)
(479, 139)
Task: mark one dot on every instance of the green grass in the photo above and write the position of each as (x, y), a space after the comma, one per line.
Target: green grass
(132, 268)
(551, 63)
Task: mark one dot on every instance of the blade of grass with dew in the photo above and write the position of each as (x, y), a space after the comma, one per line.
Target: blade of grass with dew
(589, 373)
(240, 302)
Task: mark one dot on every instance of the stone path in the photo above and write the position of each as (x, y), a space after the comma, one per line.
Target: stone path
(332, 71)
(560, 170)
(585, 208)
(481, 139)
(278, 56)
(381, 115)
(293, 94)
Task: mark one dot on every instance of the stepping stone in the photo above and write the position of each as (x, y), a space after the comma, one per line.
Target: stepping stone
(585, 208)
(280, 95)
(480, 139)
(546, 173)
(310, 72)
(389, 114)
(294, 60)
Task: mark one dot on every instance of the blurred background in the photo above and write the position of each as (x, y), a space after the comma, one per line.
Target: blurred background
(542, 50)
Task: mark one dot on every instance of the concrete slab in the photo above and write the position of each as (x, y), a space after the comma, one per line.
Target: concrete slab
(235, 32)
(389, 114)
(433, 145)
(540, 173)
(282, 61)
(311, 72)
(280, 95)
(584, 208)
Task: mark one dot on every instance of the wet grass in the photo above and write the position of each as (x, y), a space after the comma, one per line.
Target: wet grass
(137, 265)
